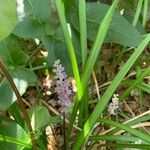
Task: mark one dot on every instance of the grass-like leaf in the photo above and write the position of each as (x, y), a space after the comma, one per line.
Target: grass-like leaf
(107, 95)
(102, 31)
(135, 83)
(14, 141)
(117, 138)
(135, 132)
(137, 13)
(61, 14)
(145, 12)
(139, 146)
(103, 28)
(83, 31)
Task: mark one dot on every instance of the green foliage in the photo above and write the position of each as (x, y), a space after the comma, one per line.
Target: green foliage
(8, 17)
(56, 47)
(11, 53)
(12, 136)
(108, 93)
(39, 117)
(23, 77)
(15, 59)
(74, 32)
(37, 13)
(120, 30)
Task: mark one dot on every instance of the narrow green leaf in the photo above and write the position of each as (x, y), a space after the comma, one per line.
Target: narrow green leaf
(130, 123)
(117, 138)
(107, 95)
(103, 28)
(135, 132)
(144, 87)
(102, 31)
(83, 30)
(139, 146)
(145, 12)
(135, 83)
(137, 13)
(61, 14)
(12, 140)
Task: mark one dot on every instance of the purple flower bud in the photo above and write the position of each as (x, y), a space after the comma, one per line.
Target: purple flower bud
(62, 87)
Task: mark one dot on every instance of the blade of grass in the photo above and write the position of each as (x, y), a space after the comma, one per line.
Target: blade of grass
(83, 31)
(14, 141)
(83, 109)
(144, 87)
(102, 31)
(133, 122)
(142, 146)
(135, 83)
(61, 14)
(135, 132)
(102, 104)
(137, 13)
(103, 28)
(145, 12)
(121, 139)
(117, 138)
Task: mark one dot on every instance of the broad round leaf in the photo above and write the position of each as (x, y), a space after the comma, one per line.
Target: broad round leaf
(13, 137)
(39, 117)
(22, 78)
(8, 17)
(11, 53)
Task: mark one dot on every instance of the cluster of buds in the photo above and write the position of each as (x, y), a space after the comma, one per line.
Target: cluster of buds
(114, 105)
(62, 87)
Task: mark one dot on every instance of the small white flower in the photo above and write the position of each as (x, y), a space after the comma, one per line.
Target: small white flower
(37, 41)
(121, 11)
(136, 142)
(114, 105)
(20, 9)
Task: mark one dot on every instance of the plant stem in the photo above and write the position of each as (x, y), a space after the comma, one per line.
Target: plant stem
(137, 13)
(71, 50)
(19, 99)
(64, 130)
(145, 12)
(83, 31)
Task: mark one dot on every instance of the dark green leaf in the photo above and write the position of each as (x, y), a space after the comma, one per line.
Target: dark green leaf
(37, 14)
(22, 78)
(39, 117)
(29, 29)
(56, 47)
(11, 53)
(120, 30)
(39, 10)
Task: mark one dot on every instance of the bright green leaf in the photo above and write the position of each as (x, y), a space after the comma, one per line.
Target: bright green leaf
(39, 117)
(13, 137)
(8, 17)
